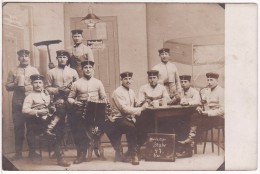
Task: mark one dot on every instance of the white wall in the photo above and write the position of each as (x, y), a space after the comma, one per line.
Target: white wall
(176, 20)
(46, 22)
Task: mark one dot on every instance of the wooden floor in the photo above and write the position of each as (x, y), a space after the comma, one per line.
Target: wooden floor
(208, 161)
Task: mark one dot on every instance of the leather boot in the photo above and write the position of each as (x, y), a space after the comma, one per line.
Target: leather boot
(191, 136)
(119, 153)
(79, 160)
(186, 153)
(62, 162)
(135, 160)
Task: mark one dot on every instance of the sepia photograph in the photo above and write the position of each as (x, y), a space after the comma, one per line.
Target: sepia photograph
(127, 86)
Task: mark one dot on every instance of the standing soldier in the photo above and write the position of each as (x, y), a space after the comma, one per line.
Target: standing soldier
(85, 89)
(36, 107)
(168, 75)
(79, 52)
(19, 81)
(59, 81)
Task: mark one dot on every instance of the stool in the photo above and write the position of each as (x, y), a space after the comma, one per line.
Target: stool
(205, 140)
(220, 127)
(45, 141)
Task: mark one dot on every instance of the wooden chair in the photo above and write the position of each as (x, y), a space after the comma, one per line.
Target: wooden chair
(44, 142)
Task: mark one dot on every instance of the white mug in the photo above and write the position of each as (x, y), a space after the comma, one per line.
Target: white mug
(21, 80)
(156, 103)
(164, 102)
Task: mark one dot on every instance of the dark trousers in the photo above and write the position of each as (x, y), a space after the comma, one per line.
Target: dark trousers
(19, 127)
(121, 126)
(79, 127)
(36, 126)
(205, 123)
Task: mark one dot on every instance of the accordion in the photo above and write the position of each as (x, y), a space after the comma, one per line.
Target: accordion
(95, 112)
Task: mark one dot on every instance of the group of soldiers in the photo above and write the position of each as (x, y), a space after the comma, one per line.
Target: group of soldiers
(69, 87)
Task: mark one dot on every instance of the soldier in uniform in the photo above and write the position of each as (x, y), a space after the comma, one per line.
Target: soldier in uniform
(19, 82)
(79, 52)
(210, 115)
(153, 91)
(36, 109)
(150, 93)
(85, 89)
(124, 112)
(189, 97)
(168, 75)
(59, 81)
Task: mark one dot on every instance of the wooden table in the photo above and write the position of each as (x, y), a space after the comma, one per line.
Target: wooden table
(169, 111)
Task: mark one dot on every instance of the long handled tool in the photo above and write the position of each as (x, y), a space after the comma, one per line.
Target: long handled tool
(47, 43)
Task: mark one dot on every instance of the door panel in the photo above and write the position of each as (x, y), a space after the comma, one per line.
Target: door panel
(106, 58)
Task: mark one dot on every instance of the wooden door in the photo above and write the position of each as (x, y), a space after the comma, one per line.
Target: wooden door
(106, 57)
(12, 42)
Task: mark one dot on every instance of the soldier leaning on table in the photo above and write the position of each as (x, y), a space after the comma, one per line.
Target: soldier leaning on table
(189, 97)
(124, 113)
(36, 107)
(211, 113)
(151, 93)
(19, 82)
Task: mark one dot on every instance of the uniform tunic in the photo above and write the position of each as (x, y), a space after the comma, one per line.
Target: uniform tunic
(123, 113)
(169, 77)
(191, 96)
(18, 99)
(215, 101)
(157, 93)
(59, 77)
(84, 89)
(78, 54)
(35, 99)
(123, 103)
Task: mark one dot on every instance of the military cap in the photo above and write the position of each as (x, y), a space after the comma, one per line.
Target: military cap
(126, 74)
(77, 31)
(87, 62)
(23, 52)
(62, 53)
(36, 77)
(185, 77)
(153, 73)
(163, 50)
(212, 75)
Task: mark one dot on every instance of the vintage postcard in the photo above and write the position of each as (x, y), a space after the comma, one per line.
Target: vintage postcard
(129, 86)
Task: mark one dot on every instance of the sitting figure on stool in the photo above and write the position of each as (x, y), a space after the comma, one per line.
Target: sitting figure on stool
(34, 121)
(123, 119)
(189, 97)
(206, 118)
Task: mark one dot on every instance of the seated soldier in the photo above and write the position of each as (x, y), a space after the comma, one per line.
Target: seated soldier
(189, 97)
(151, 93)
(210, 115)
(36, 109)
(124, 112)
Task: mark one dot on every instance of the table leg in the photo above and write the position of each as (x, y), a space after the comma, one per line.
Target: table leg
(156, 124)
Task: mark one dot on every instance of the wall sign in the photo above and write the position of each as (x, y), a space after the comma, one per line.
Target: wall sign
(95, 44)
